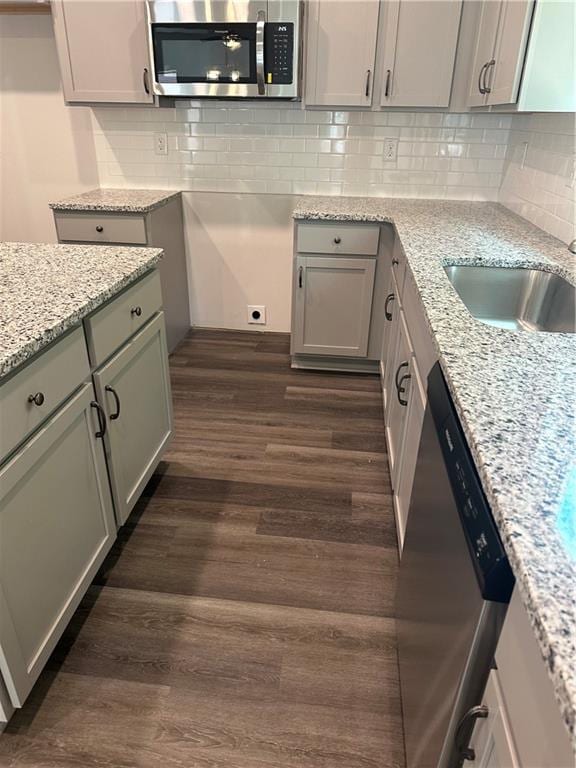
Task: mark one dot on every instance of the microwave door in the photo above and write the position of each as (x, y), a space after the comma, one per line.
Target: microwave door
(208, 59)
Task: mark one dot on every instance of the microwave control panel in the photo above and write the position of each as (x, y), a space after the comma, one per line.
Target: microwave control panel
(279, 53)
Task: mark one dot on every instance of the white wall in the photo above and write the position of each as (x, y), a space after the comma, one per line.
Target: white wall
(539, 180)
(239, 253)
(46, 148)
(281, 148)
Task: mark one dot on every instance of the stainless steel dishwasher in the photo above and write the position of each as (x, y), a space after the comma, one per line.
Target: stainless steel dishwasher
(454, 585)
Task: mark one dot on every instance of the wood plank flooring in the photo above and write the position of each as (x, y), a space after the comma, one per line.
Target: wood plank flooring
(244, 618)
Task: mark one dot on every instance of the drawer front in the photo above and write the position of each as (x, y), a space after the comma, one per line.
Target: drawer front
(51, 378)
(418, 328)
(360, 239)
(100, 228)
(109, 327)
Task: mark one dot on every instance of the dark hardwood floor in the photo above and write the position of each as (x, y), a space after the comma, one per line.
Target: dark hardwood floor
(244, 618)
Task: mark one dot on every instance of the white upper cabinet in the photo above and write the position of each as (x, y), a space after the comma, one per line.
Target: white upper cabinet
(500, 51)
(341, 52)
(419, 49)
(103, 51)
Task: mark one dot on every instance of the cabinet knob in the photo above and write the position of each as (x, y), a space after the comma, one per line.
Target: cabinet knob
(136, 311)
(395, 262)
(37, 399)
(337, 240)
(99, 228)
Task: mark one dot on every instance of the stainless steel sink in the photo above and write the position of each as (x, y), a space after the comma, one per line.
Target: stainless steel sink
(516, 299)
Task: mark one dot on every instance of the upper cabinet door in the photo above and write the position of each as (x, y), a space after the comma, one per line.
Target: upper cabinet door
(341, 52)
(103, 50)
(419, 50)
(484, 53)
(503, 77)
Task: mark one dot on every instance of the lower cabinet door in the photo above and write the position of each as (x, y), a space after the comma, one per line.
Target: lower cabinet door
(407, 460)
(56, 526)
(134, 389)
(332, 305)
(492, 739)
(398, 396)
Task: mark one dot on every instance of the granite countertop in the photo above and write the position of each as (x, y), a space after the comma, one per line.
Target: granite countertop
(116, 200)
(47, 289)
(515, 393)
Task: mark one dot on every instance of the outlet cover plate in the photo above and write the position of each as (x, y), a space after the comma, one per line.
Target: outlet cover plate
(390, 150)
(260, 311)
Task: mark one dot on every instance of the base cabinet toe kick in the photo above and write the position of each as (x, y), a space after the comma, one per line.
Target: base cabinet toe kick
(87, 422)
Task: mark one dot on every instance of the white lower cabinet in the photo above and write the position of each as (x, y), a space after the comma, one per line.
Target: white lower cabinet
(134, 389)
(56, 526)
(332, 305)
(398, 389)
(492, 740)
(407, 356)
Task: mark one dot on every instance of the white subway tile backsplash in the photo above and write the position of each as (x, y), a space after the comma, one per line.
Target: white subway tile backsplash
(538, 176)
(283, 149)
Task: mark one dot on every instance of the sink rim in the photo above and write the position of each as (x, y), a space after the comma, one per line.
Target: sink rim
(545, 282)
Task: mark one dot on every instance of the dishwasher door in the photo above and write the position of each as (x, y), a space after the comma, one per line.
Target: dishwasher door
(447, 629)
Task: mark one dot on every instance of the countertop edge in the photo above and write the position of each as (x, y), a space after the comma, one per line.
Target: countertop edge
(36, 345)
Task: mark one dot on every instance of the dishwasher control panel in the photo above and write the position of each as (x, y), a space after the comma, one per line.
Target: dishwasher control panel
(491, 564)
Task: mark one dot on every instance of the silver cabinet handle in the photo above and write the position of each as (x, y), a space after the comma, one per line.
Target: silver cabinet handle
(37, 399)
(387, 87)
(464, 728)
(300, 276)
(487, 88)
(368, 76)
(482, 69)
(101, 418)
(145, 80)
(260, 22)
(387, 312)
(114, 416)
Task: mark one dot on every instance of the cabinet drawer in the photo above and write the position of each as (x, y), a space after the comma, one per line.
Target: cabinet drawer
(109, 327)
(53, 376)
(361, 239)
(418, 328)
(100, 228)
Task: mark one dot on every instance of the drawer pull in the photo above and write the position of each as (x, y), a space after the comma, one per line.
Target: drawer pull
(136, 311)
(114, 416)
(101, 418)
(395, 262)
(37, 399)
(337, 240)
(99, 228)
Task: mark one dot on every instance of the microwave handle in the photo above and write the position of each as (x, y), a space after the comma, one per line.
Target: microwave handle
(260, 23)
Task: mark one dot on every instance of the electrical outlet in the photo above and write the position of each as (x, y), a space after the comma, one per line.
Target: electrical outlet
(256, 314)
(160, 143)
(390, 150)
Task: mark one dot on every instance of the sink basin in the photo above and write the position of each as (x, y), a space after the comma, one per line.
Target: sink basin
(516, 299)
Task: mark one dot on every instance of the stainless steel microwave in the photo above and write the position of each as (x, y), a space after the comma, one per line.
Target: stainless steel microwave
(226, 48)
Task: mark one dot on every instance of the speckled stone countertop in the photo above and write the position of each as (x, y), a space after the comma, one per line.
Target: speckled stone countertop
(47, 289)
(515, 393)
(116, 200)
